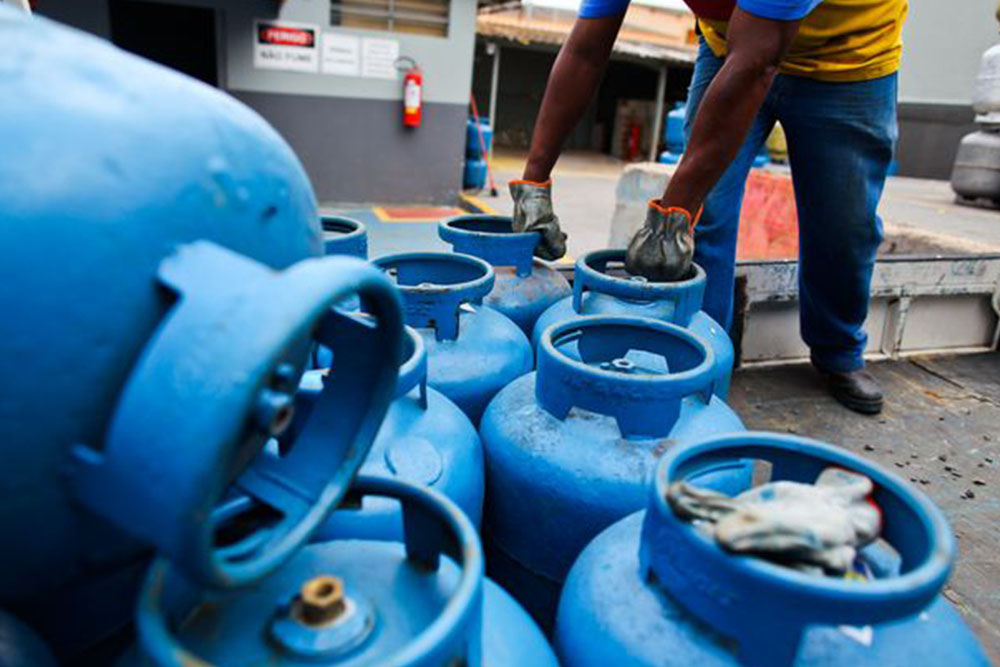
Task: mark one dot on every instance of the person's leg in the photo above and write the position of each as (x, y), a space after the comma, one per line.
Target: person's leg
(716, 231)
(840, 143)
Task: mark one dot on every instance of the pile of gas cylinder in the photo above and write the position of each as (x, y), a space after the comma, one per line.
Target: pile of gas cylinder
(224, 449)
(975, 176)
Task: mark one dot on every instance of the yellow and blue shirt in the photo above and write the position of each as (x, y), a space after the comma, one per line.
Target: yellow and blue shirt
(838, 40)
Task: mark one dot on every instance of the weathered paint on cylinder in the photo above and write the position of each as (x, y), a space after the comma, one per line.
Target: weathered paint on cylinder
(525, 286)
(344, 236)
(569, 448)
(976, 172)
(424, 603)
(986, 92)
(20, 646)
(473, 351)
(601, 286)
(652, 590)
(424, 439)
(150, 221)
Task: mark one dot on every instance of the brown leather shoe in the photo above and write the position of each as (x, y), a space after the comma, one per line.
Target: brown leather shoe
(856, 390)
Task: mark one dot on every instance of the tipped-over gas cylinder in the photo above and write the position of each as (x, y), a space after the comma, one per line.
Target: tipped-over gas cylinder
(569, 448)
(525, 286)
(157, 318)
(344, 236)
(653, 589)
(602, 287)
(473, 351)
(419, 603)
(424, 439)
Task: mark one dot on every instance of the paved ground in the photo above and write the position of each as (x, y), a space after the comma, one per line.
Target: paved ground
(387, 237)
(940, 430)
(920, 216)
(584, 196)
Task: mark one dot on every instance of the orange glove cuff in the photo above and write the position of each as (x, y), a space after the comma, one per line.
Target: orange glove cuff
(667, 210)
(541, 184)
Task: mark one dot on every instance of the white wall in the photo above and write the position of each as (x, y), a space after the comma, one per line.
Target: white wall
(445, 62)
(942, 43)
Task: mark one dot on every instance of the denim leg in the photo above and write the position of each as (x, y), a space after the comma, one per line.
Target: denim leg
(717, 230)
(840, 142)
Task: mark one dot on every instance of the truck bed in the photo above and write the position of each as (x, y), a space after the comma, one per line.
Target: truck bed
(940, 429)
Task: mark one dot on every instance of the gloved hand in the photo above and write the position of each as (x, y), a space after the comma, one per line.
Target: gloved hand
(799, 525)
(662, 250)
(533, 213)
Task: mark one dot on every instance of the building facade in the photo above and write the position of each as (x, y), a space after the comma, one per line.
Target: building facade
(326, 73)
(942, 45)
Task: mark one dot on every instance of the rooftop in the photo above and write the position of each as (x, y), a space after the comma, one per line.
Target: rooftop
(654, 30)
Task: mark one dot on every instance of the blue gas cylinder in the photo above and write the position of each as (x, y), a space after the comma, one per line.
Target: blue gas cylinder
(474, 174)
(473, 146)
(525, 286)
(473, 351)
(424, 439)
(344, 236)
(652, 590)
(673, 132)
(150, 222)
(422, 603)
(761, 159)
(602, 286)
(667, 157)
(20, 646)
(569, 448)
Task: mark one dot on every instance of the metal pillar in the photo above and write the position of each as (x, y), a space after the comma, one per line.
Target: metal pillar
(494, 85)
(661, 91)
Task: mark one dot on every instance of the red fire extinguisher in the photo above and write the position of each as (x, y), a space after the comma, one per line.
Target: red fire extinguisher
(413, 84)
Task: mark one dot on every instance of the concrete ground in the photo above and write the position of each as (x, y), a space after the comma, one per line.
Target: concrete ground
(584, 198)
(919, 215)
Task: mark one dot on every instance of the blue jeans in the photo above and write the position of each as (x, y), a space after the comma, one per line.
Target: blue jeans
(841, 138)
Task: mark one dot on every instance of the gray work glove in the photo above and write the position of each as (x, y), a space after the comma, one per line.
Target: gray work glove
(800, 525)
(533, 213)
(662, 250)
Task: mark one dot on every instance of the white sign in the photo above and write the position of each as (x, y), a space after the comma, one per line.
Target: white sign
(286, 46)
(341, 54)
(378, 58)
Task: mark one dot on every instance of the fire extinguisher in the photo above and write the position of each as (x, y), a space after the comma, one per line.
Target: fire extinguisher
(413, 84)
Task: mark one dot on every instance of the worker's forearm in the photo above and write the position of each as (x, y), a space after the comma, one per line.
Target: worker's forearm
(572, 84)
(715, 140)
(729, 107)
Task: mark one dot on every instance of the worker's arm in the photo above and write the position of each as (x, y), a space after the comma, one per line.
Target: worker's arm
(663, 248)
(727, 111)
(572, 84)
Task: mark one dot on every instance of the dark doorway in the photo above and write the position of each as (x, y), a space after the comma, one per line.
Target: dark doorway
(182, 38)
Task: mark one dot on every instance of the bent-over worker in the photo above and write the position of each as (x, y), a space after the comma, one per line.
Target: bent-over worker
(826, 69)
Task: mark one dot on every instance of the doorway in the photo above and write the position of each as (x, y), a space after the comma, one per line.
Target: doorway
(180, 37)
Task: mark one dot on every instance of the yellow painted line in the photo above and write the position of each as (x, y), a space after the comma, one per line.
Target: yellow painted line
(403, 221)
(479, 204)
(384, 216)
(566, 259)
